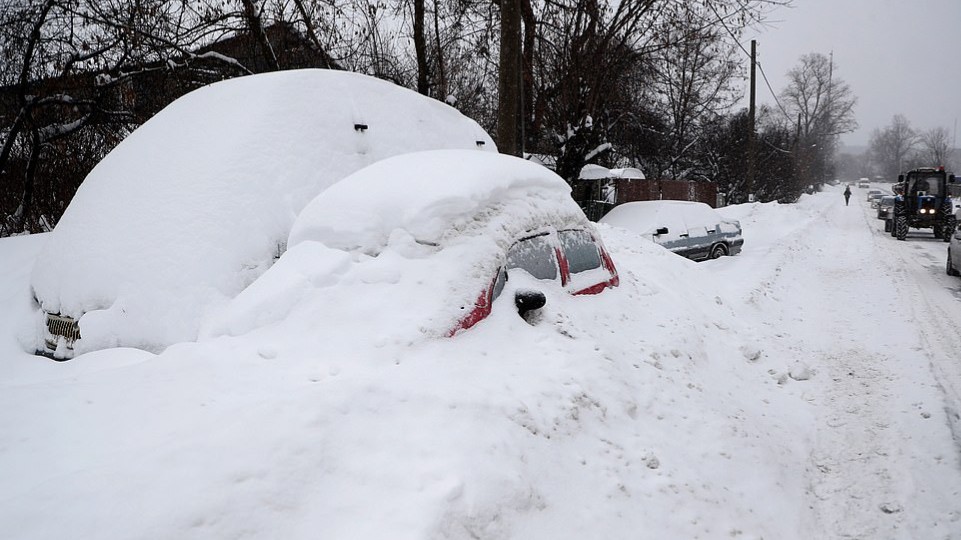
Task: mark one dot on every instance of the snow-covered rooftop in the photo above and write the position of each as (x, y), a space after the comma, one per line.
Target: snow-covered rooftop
(592, 171)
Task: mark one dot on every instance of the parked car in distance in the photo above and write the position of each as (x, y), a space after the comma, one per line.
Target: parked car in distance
(423, 245)
(953, 265)
(874, 197)
(885, 207)
(691, 229)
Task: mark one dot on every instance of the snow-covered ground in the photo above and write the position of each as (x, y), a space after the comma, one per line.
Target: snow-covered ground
(808, 388)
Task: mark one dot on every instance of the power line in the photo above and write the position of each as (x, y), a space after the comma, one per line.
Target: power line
(759, 66)
(776, 100)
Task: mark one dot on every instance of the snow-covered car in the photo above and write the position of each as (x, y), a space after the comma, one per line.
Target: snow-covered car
(424, 244)
(198, 202)
(691, 229)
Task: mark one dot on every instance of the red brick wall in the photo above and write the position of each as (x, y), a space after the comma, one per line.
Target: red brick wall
(652, 190)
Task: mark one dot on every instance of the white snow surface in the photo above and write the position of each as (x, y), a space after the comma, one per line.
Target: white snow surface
(807, 388)
(195, 204)
(432, 195)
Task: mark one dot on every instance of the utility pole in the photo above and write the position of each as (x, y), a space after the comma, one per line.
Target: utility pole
(751, 137)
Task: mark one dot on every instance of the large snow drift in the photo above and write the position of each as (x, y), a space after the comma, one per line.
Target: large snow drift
(778, 394)
(426, 231)
(197, 202)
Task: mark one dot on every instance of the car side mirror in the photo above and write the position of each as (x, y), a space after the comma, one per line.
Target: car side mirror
(528, 300)
(660, 231)
(951, 178)
(900, 178)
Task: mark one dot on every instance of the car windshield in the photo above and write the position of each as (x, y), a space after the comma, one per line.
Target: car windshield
(580, 250)
(535, 255)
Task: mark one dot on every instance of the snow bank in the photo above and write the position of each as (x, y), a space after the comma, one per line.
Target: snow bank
(196, 203)
(646, 411)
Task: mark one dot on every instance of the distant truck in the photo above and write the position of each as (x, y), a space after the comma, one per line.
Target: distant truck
(864, 183)
(923, 202)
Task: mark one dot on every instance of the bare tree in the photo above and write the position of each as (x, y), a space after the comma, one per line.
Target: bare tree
(821, 99)
(255, 24)
(935, 147)
(891, 146)
(694, 70)
(824, 105)
(69, 89)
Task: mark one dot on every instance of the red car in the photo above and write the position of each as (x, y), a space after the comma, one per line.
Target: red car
(448, 230)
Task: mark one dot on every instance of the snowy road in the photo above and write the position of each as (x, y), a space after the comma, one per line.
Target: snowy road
(871, 321)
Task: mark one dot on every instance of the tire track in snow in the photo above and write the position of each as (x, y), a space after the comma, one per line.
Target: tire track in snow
(856, 463)
(928, 302)
(874, 474)
(827, 303)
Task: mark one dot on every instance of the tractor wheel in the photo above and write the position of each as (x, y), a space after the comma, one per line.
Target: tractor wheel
(950, 224)
(949, 268)
(887, 225)
(901, 227)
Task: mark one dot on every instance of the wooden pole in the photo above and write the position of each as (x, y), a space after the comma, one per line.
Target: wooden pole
(751, 137)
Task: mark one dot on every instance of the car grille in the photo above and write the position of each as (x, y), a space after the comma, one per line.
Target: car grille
(61, 326)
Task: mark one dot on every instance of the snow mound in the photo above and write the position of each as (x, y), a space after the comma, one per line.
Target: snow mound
(197, 203)
(433, 195)
(405, 245)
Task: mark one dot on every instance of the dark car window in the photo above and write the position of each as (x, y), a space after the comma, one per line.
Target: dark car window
(535, 255)
(581, 251)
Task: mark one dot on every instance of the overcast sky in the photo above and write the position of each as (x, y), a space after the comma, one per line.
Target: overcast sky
(898, 56)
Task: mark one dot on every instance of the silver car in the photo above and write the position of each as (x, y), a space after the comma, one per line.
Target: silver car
(690, 229)
(954, 254)
(885, 206)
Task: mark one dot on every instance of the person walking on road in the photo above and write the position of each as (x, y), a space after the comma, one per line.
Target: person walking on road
(847, 195)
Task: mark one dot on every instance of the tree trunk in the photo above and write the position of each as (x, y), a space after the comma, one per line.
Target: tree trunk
(26, 201)
(509, 116)
(420, 48)
(441, 74)
(329, 62)
(527, 14)
(257, 29)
